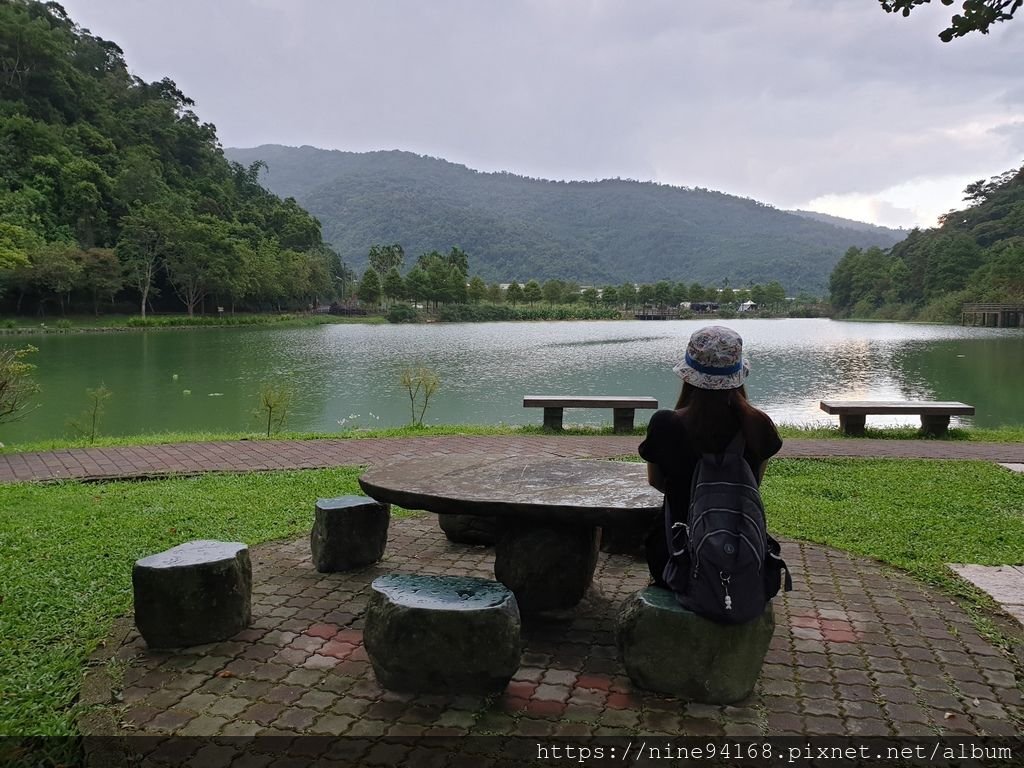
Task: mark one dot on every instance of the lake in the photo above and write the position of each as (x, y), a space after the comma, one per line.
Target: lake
(348, 375)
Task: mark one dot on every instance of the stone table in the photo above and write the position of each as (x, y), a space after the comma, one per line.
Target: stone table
(549, 511)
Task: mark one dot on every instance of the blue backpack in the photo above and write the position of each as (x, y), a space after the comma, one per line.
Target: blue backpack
(722, 563)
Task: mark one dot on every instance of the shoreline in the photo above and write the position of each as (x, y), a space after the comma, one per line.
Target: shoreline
(128, 323)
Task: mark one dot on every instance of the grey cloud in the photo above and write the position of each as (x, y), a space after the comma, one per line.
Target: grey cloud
(783, 101)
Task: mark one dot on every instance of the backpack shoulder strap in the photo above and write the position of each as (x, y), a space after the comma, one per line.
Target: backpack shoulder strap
(737, 444)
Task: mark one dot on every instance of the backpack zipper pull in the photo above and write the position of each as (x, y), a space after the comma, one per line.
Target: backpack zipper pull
(725, 583)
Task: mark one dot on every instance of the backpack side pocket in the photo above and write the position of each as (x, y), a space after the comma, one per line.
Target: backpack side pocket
(776, 572)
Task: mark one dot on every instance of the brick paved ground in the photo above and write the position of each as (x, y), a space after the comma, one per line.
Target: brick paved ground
(859, 649)
(243, 455)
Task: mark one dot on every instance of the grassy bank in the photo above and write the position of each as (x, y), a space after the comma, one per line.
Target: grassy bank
(68, 547)
(1000, 435)
(22, 326)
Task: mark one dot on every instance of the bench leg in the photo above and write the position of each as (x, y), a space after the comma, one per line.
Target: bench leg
(852, 424)
(934, 426)
(623, 420)
(547, 566)
(553, 419)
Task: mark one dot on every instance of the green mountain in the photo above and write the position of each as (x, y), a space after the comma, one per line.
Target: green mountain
(518, 228)
(860, 226)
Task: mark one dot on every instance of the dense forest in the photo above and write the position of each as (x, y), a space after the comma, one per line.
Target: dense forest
(975, 254)
(114, 193)
(518, 228)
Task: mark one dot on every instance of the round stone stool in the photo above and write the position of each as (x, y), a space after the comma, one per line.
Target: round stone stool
(198, 592)
(669, 649)
(442, 634)
(469, 529)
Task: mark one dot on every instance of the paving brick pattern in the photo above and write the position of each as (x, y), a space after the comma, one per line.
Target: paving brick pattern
(249, 455)
(859, 650)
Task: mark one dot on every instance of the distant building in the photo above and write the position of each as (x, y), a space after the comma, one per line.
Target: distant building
(746, 306)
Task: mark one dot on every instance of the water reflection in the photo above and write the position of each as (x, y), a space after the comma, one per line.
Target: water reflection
(209, 379)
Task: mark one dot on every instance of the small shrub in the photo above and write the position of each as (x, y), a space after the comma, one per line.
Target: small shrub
(88, 424)
(16, 383)
(274, 400)
(420, 384)
(402, 313)
(63, 324)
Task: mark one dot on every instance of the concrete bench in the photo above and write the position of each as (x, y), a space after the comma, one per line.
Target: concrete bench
(666, 648)
(934, 415)
(196, 593)
(623, 408)
(442, 634)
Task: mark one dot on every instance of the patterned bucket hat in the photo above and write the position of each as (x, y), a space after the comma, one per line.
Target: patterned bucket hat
(714, 359)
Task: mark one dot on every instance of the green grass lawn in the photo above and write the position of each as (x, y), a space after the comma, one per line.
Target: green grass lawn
(69, 547)
(68, 550)
(1001, 435)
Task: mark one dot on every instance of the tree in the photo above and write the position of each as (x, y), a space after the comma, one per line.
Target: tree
(437, 275)
(514, 293)
(645, 294)
(369, 287)
(680, 293)
(16, 242)
(757, 294)
(899, 276)
(1001, 278)
(146, 237)
(977, 16)
(663, 293)
(494, 293)
(952, 259)
(553, 291)
(570, 292)
(384, 258)
(774, 294)
(200, 257)
(627, 295)
(417, 285)
(477, 289)
(590, 297)
(532, 292)
(459, 259)
(393, 286)
(55, 268)
(455, 288)
(102, 275)
(610, 295)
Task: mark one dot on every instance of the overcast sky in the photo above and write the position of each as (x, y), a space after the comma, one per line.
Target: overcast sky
(829, 105)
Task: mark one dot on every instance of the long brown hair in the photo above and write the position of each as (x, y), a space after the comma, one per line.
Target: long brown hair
(714, 416)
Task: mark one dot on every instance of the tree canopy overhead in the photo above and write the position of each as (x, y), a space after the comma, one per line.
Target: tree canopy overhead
(977, 15)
